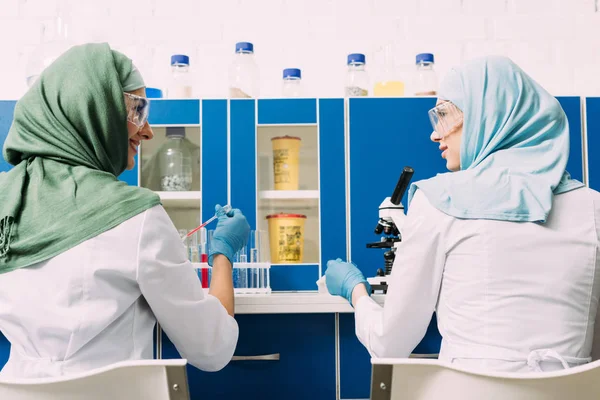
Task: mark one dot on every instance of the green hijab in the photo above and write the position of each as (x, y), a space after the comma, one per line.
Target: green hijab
(68, 143)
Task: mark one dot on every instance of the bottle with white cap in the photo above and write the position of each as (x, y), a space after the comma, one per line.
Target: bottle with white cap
(292, 82)
(425, 83)
(357, 79)
(243, 73)
(180, 84)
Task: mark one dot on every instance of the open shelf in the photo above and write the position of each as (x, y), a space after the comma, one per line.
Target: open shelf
(180, 199)
(289, 194)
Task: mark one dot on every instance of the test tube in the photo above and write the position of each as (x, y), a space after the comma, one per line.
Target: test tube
(254, 246)
(203, 254)
(193, 248)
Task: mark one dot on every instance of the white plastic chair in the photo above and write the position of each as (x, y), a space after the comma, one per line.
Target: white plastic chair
(130, 380)
(416, 379)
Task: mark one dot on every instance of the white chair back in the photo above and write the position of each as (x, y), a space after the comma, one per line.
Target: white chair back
(415, 379)
(131, 380)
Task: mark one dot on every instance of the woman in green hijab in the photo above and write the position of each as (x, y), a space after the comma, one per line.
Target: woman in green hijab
(88, 263)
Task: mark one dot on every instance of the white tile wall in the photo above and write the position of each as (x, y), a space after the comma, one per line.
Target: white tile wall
(556, 41)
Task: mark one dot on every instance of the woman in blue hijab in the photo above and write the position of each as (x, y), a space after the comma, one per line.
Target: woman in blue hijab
(504, 249)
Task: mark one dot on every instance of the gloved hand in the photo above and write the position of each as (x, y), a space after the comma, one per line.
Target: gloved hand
(230, 235)
(341, 278)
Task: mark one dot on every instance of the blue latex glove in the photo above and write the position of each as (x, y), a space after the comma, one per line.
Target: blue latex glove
(230, 235)
(341, 278)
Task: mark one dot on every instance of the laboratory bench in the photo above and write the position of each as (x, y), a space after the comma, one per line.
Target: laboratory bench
(297, 343)
(294, 303)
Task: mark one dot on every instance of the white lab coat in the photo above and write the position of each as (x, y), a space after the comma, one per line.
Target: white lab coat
(98, 303)
(511, 297)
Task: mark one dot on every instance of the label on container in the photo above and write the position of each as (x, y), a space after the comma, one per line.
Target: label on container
(290, 243)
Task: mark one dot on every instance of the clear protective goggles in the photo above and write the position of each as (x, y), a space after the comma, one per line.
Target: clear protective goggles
(444, 118)
(138, 109)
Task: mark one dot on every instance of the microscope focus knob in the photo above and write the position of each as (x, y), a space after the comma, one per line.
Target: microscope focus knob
(380, 272)
(389, 256)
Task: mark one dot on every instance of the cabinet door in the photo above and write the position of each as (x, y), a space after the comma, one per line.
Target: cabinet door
(593, 141)
(7, 109)
(305, 344)
(355, 364)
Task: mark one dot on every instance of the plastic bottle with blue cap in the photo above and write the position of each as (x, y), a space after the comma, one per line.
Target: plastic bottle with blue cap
(425, 82)
(180, 84)
(357, 79)
(243, 73)
(292, 82)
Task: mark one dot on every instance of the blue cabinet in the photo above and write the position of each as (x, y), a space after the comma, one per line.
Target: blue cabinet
(305, 344)
(320, 125)
(593, 141)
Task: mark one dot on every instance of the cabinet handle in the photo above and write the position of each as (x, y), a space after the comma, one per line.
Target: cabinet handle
(266, 357)
(423, 356)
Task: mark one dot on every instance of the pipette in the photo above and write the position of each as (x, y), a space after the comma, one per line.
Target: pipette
(226, 209)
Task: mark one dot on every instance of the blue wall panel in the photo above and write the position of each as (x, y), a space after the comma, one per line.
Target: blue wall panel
(242, 139)
(287, 111)
(174, 112)
(7, 109)
(593, 141)
(572, 107)
(385, 136)
(333, 180)
(214, 156)
(306, 369)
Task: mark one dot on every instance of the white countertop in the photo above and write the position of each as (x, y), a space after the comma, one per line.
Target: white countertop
(293, 303)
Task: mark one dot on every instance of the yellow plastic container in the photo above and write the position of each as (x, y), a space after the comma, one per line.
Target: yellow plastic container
(389, 89)
(286, 154)
(286, 238)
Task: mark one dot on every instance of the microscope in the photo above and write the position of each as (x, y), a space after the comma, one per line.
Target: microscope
(391, 220)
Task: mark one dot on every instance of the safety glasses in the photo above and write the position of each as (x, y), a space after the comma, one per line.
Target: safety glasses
(444, 118)
(138, 109)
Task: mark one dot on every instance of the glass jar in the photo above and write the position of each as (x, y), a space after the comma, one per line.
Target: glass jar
(357, 79)
(243, 73)
(180, 82)
(175, 162)
(292, 83)
(425, 83)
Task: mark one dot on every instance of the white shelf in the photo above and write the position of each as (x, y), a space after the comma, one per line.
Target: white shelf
(315, 264)
(296, 199)
(289, 195)
(180, 199)
(294, 303)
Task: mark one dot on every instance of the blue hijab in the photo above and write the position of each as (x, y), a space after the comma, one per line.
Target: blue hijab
(514, 150)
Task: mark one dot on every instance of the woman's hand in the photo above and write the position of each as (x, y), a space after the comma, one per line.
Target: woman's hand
(341, 278)
(230, 235)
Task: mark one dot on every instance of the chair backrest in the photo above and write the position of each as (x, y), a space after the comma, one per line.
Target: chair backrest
(395, 379)
(131, 380)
